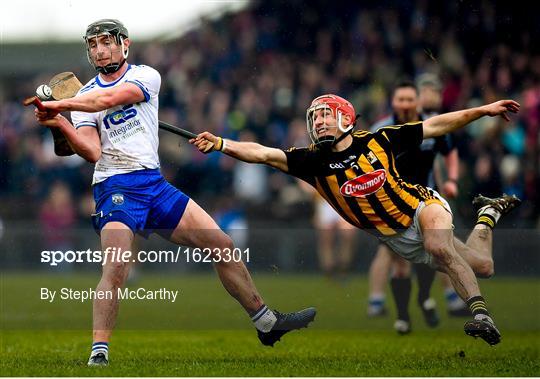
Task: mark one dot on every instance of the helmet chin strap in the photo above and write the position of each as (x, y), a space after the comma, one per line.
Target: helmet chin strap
(341, 137)
(326, 143)
(110, 68)
(346, 131)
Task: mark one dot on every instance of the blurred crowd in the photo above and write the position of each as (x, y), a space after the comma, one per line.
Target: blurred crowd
(251, 75)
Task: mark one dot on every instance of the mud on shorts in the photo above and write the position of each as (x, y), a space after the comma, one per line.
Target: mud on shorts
(410, 243)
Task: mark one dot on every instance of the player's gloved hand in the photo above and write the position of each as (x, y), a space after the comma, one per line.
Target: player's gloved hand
(206, 142)
(450, 189)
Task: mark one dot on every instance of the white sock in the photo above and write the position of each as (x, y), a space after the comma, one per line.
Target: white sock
(429, 304)
(377, 297)
(489, 210)
(264, 319)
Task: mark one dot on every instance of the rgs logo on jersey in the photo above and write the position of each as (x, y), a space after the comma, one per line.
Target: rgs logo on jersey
(120, 116)
(364, 185)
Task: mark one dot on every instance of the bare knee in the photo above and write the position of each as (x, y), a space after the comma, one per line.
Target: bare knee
(440, 250)
(222, 249)
(444, 256)
(485, 269)
(224, 242)
(115, 274)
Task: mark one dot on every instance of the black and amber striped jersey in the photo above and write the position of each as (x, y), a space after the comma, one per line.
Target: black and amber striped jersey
(424, 155)
(361, 182)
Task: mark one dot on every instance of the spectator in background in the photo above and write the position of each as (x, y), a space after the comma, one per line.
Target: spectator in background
(249, 181)
(511, 175)
(487, 180)
(231, 218)
(1, 229)
(336, 239)
(57, 217)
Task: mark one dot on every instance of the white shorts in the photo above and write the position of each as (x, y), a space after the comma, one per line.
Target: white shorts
(326, 217)
(410, 243)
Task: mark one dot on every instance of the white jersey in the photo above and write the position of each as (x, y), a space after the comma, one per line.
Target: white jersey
(129, 133)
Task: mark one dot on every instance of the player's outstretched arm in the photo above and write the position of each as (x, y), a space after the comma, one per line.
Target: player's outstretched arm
(249, 152)
(448, 122)
(84, 141)
(99, 100)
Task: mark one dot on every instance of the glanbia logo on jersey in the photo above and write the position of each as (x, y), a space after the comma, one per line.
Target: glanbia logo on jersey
(364, 185)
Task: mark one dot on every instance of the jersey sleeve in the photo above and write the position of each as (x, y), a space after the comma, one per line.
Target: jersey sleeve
(148, 80)
(80, 119)
(444, 144)
(381, 124)
(301, 163)
(403, 137)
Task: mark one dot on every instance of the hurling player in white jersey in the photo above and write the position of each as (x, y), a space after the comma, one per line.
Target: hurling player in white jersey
(115, 126)
(129, 136)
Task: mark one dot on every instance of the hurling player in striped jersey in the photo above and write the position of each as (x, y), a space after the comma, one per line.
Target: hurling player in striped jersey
(356, 174)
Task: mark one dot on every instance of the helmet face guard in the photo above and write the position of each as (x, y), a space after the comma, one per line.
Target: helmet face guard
(337, 107)
(116, 32)
(313, 130)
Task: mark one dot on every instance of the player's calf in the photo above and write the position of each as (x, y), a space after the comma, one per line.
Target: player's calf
(114, 274)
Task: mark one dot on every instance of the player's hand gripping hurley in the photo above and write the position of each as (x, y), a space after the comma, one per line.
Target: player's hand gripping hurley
(64, 86)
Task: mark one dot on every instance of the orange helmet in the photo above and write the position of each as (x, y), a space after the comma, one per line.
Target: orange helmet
(339, 107)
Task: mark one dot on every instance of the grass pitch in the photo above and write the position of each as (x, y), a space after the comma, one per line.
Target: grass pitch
(205, 333)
